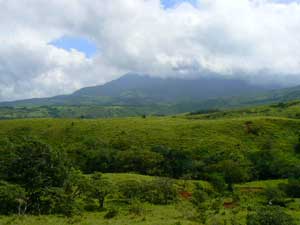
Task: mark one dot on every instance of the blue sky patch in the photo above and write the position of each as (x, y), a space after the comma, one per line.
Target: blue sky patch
(171, 3)
(78, 43)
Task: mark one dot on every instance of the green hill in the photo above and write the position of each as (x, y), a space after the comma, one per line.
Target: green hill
(279, 100)
(136, 144)
(282, 109)
(199, 168)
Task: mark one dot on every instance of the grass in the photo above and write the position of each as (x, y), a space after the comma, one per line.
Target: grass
(233, 135)
(286, 110)
(262, 184)
(214, 135)
(175, 214)
(154, 215)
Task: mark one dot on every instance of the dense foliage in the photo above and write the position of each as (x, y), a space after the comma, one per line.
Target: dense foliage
(61, 167)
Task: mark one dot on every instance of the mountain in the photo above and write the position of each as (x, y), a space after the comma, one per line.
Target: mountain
(135, 95)
(136, 90)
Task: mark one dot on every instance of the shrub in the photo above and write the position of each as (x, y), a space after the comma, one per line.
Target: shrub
(12, 198)
(136, 208)
(199, 196)
(234, 172)
(36, 167)
(130, 189)
(157, 191)
(292, 188)
(113, 212)
(269, 215)
(218, 182)
(160, 191)
(98, 188)
(275, 196)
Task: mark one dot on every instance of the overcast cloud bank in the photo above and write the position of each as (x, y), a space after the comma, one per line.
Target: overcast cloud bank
(257, 40)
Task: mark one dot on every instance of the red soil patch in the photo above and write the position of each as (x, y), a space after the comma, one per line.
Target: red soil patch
(229, 205)
(185, 194)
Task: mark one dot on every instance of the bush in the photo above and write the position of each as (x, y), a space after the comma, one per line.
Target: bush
(272, 193)
(269, 215)
(59, 201)
(175, 162)
(12, 198)
(217, 181)
(130, 189)
(98, 188)
(113, 212)
(137, 160)
(160, 191)
(292, 188)
(136, 208)
(275, 196)
(297, 146)
(233, 172)
(199, 196)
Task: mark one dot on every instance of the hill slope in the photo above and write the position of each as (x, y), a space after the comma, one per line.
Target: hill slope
(136, 95)
(139, 90)
(237, 149)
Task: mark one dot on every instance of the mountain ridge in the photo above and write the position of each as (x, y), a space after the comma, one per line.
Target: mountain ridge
(134, 89)
(136, 95)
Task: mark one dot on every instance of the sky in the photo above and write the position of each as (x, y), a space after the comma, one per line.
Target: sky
(55, 47)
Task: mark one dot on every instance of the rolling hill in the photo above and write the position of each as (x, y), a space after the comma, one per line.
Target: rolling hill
(259, 146)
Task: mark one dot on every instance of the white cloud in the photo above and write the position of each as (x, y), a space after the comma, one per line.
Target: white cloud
(251, 39)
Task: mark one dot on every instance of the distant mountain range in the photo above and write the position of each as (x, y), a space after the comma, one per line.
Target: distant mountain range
(134, 94)
(133, 89)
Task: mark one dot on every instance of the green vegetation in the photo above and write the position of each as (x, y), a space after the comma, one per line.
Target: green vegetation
(287, 110)
(200, 110)
(239, 168)
(83, 111)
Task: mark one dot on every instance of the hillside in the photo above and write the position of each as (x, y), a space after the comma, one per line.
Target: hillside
(184, 169)
(141, 90)
(222, 151)
(135, 144)
(283, 109)
(136, 95)
(211, 109)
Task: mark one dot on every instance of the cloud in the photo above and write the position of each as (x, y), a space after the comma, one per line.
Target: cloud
(249, 39)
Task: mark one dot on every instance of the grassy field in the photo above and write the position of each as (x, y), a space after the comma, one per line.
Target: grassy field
(227, 135)
(153, 215)
(286, 110)
(181, 133)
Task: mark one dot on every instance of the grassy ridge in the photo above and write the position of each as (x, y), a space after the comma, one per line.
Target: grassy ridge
(286, 110)
(229, 134)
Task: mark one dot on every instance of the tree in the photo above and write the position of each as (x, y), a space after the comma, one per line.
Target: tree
(12, 198)
(36, 167)
(275, 196)
(269, 215)
(297, 147)
(199, 196)
(159, 191)
(218, 181)
(99, 188)
(233, 172)
(130, 189)
(292, 188)
(176, 163)
(138, 160)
